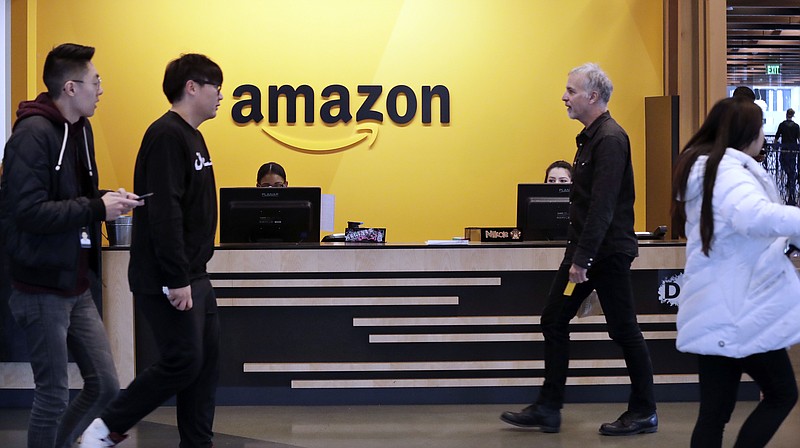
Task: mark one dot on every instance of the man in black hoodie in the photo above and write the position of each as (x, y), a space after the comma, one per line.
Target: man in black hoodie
(49, 201)
(173, 239)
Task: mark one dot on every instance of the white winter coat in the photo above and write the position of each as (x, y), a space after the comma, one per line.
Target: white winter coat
(744, 297)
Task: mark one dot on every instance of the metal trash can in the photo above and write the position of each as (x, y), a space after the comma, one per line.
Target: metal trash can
(119, 231)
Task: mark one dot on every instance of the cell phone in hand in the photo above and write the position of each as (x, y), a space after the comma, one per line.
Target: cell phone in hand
(792, 251)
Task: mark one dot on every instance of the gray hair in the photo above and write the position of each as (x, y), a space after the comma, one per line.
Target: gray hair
(596, 80)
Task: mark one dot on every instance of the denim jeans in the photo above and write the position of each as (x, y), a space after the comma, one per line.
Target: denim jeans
(53, 326)
(611, 277)
(719, 383)
(188, 344)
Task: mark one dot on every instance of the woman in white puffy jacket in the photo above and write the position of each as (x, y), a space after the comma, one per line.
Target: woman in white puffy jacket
(739, 307)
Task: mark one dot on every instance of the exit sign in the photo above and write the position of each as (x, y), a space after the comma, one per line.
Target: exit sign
(773, 69)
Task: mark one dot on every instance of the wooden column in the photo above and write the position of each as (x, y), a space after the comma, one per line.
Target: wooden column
(694, 52)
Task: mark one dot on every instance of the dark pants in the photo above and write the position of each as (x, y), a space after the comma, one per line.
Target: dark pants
(611, 277)
(788, 158)
(188, 343)
(719, 384)
(55, 325)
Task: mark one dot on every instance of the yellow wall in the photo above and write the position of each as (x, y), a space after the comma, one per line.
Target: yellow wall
(503, 61)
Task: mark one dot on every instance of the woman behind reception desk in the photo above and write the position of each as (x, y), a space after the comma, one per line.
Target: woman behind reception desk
(559, 172)
(271, 174)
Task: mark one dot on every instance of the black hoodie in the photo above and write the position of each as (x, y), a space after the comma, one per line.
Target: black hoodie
(48, 195)
(173, 233)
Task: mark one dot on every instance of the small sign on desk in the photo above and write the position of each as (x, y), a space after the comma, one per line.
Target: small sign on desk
(365, 235)
(489, 234)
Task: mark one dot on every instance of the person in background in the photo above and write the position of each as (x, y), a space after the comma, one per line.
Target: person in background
(559, 172)
(172, 241)
(271, 174)
(739, 307)
(744, 92)
(788, 134)
(600, 249)
(49, 199)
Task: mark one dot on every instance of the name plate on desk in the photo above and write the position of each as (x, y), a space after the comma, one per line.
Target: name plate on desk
(487, 234)
(365, 235)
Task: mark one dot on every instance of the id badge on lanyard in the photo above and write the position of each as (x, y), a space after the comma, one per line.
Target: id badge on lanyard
(86, 241)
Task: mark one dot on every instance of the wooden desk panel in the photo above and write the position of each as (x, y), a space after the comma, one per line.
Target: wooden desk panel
(327, 323)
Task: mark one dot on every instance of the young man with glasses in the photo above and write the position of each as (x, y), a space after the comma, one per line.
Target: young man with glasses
(50, 214)
(173, 239)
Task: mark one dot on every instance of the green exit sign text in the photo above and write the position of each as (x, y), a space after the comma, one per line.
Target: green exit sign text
(773, 69)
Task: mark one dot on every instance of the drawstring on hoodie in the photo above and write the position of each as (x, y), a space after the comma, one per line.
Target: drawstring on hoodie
(86, 148)
(64, 146)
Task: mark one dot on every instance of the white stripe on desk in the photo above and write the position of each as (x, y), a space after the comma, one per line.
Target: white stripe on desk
(491, 320)
(454, 337)
(444, 321)
(641, 318)
(254, 367)
(338, 301)
(480, 382)
(501, 337)
(355, 282)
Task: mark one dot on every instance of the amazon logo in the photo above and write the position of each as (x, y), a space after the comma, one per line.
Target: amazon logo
(336, 108)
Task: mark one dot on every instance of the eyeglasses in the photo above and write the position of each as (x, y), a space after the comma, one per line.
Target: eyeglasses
(95, 84)
(275, 185)
(205, 81)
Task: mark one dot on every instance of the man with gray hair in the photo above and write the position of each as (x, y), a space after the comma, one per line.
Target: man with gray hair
(600, 249)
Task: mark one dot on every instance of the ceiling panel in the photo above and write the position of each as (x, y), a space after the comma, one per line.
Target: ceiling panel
(762, 32)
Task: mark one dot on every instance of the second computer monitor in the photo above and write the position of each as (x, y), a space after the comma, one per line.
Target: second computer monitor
(543, 211)
(269, 215)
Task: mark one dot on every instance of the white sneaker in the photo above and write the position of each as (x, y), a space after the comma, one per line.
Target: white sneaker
(97, 435)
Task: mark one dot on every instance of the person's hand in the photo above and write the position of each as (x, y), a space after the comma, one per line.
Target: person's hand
(119, 203)
(577, 274)
(181, 298)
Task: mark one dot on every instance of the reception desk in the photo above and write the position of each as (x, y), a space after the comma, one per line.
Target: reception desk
(341, 323)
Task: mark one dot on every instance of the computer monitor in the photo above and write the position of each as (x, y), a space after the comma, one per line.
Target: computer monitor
(543, 211)
(269, 215)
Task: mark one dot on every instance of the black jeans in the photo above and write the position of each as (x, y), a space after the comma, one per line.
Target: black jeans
(188, 343)
(788, 159)
(611, 277)
(719, 384)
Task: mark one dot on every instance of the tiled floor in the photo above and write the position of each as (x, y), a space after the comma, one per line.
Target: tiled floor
(467, 426)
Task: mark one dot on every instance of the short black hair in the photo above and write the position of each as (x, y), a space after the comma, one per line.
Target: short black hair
(270, 167)
(190, 66)
(744, 92)
(65, 62)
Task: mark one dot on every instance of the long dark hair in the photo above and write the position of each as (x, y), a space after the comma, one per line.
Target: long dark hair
(731, 123)
(558, 164)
